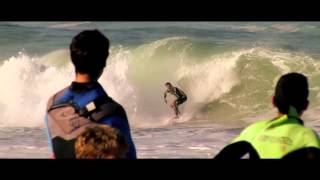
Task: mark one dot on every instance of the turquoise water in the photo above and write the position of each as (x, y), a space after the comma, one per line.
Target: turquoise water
(44, 37)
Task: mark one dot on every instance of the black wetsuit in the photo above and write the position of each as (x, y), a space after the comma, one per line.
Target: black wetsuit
(181, 96)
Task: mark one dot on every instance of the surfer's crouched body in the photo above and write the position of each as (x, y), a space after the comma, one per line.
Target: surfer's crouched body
(178, 93)
(284, 136)
(84, 103)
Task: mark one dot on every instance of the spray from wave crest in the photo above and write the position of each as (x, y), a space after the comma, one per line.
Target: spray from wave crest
(27, 85)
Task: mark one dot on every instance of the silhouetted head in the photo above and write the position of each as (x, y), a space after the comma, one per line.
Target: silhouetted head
(89, 52)
(291, 89)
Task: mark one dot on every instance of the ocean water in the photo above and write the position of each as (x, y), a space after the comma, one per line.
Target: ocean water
(227, 69)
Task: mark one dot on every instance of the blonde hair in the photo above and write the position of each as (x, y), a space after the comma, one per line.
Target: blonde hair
(101, 142)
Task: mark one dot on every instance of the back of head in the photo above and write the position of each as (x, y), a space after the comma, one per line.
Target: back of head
(292, 89)
(101, 142)
(89, 51)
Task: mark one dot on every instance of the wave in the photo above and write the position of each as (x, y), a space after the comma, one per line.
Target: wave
(227, 86)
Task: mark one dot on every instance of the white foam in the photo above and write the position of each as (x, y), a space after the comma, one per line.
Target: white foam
(27, 85)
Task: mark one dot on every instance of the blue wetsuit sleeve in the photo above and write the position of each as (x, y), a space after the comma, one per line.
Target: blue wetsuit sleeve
(123, 126)
(47, 132)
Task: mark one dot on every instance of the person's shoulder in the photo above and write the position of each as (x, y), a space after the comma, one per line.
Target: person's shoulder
(53, 97)
(301, 129)
(257, 125)
(253, 128)
(115, 107)
(309, 133)
(114, 101)
(308, 137)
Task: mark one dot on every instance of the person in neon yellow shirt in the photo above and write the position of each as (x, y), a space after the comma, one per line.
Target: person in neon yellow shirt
(276, 138)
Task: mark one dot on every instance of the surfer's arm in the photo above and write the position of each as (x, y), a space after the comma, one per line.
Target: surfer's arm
(184, 94)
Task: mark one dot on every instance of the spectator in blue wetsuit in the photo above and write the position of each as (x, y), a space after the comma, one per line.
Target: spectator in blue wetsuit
(84, 103)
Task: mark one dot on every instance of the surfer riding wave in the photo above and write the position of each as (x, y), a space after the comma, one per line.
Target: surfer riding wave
(181, 97)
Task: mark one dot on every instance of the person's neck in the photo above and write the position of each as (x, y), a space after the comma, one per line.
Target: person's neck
(83, 78)
(281, 114)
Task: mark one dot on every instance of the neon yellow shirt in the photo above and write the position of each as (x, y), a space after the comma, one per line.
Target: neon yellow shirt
(275, 138)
